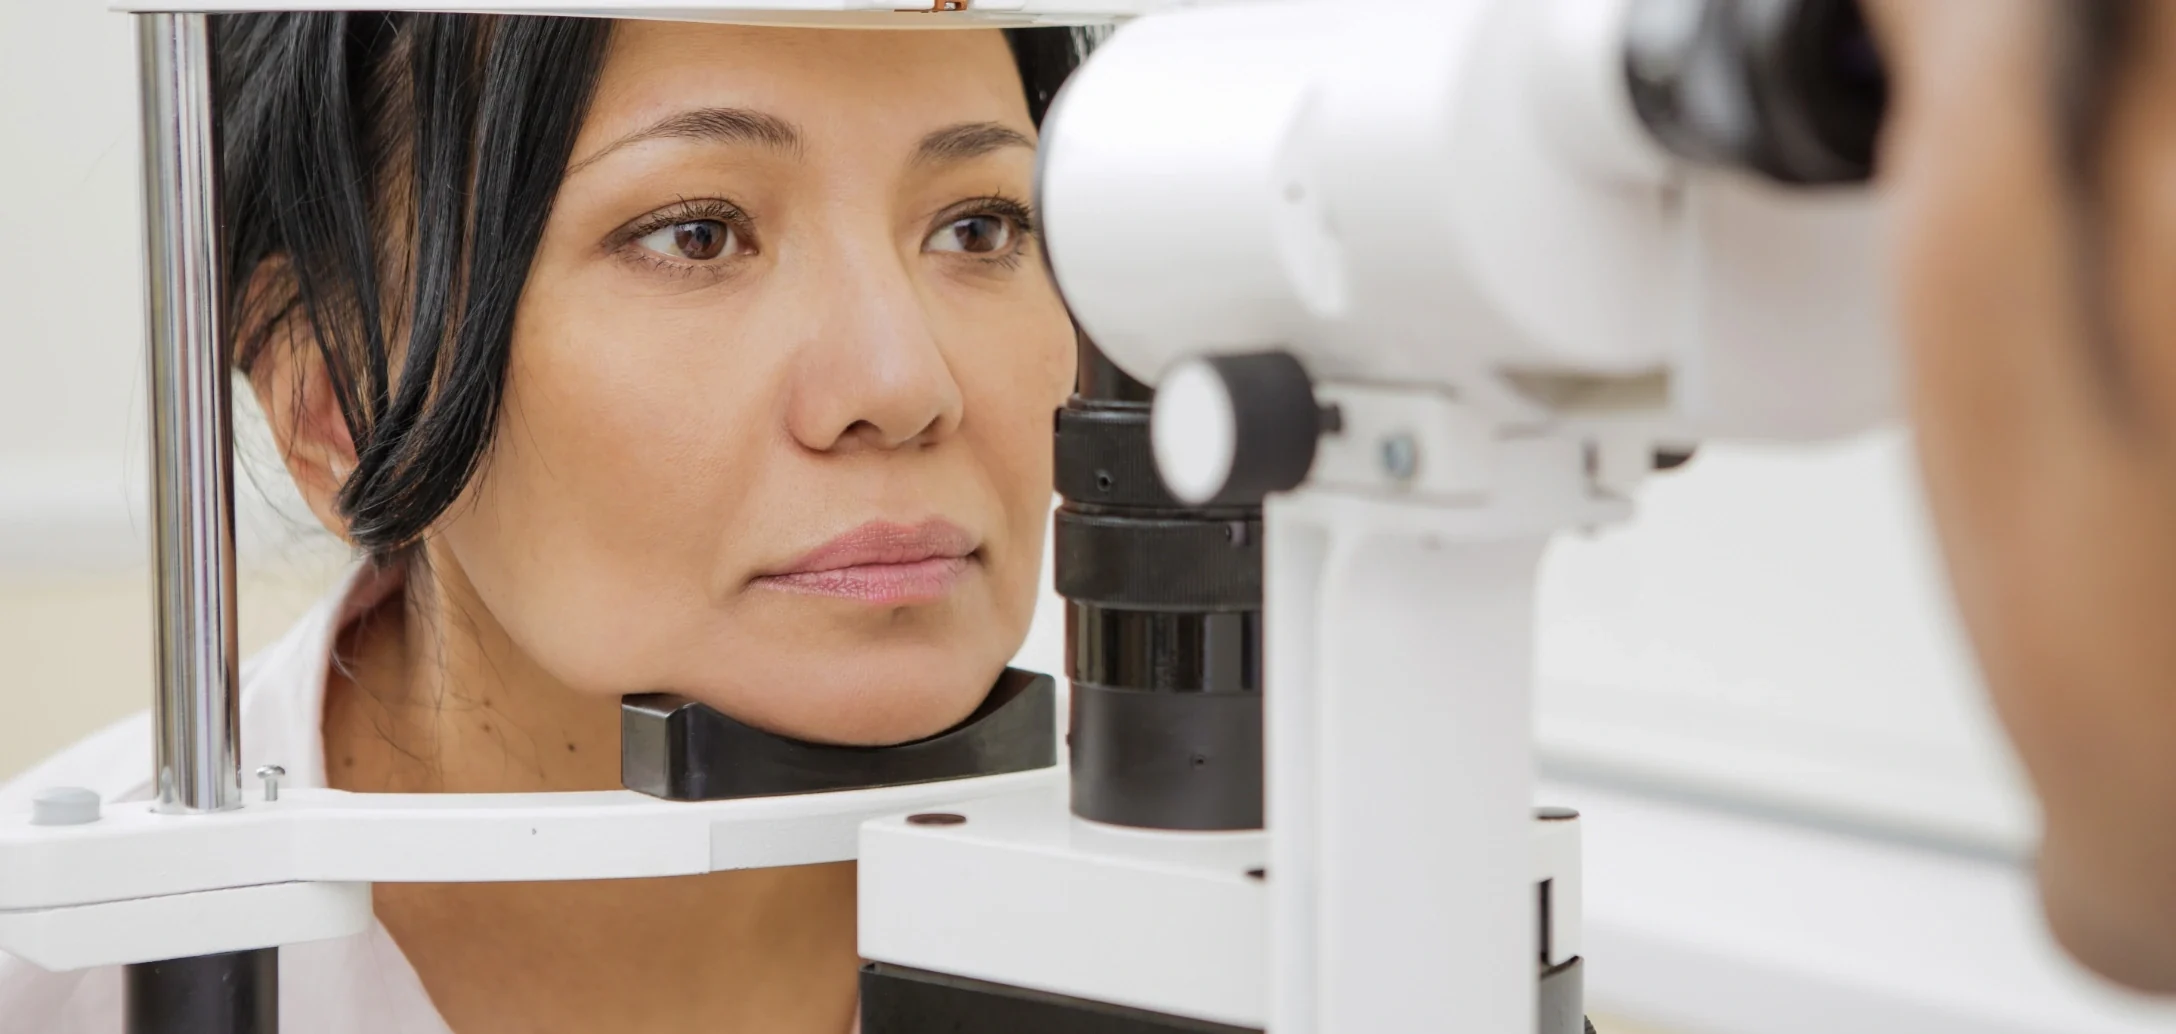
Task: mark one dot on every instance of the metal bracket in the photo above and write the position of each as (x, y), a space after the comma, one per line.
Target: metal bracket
(180, 926)
(332, 836)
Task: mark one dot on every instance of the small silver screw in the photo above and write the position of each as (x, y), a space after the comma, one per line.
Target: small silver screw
(1399, 456)
(64, 806)
(271, 774)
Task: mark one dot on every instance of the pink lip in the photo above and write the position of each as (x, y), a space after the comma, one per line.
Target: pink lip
(880, 562)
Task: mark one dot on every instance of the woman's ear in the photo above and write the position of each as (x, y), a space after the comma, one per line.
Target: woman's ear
(292, 387)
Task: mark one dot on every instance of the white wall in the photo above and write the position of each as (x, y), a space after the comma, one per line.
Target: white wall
(70, 277)
(1773, 630)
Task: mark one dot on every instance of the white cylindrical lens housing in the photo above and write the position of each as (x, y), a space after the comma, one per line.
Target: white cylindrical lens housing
(1364, 183)
(1161, 190)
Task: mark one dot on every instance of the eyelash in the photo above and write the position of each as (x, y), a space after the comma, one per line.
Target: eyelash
(1018, 213)
(686, 210)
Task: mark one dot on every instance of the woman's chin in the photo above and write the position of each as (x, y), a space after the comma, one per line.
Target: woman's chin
(877, 705)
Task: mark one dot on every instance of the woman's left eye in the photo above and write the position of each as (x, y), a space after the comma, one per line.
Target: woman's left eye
(695, 240)
(974, 235)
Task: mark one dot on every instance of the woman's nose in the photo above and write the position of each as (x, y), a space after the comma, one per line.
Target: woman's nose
(871, 374)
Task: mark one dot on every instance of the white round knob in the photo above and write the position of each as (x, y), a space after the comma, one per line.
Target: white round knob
(1194, 430)
(1228, 430)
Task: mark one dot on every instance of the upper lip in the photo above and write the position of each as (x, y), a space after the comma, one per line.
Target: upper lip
(883, 542)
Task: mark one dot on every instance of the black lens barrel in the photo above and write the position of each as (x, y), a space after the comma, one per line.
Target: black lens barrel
(1163, 625)
(1791, 90)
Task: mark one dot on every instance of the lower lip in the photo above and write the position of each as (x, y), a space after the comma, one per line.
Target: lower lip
(924, 581)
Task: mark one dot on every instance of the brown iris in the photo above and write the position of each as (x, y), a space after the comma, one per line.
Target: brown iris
(979, 234)
(700, 240)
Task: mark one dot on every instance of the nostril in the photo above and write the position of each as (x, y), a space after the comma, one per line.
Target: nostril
(869, 434)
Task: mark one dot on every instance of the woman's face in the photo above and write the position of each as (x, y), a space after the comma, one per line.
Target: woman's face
(2048, 464)
(776, 431)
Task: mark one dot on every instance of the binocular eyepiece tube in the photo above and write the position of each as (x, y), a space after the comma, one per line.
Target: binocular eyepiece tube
(1791, 90)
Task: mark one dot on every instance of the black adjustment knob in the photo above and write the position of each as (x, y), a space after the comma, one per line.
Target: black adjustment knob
(1229, 430)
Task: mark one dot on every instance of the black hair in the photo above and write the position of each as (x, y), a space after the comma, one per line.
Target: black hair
(385, 181)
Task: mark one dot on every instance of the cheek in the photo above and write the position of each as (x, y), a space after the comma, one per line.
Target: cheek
(1015, 374)
(2053, 531)
(1026, 388)
(1983, 280)
(1014, 358)
(597, 529)
(1981, 249)
(2140, 241)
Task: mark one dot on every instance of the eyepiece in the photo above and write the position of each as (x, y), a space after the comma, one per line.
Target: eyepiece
(1793, 90)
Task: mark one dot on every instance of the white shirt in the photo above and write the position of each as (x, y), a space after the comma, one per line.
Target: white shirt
(353, 985)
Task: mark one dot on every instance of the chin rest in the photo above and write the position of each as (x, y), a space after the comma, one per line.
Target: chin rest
(681, 750)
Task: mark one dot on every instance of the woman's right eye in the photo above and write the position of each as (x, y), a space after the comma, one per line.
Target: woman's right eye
(696, 240)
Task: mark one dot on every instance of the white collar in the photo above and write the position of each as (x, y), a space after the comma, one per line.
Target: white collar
(283, 686)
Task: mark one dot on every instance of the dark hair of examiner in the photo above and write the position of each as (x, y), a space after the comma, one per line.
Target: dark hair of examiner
(386, 179)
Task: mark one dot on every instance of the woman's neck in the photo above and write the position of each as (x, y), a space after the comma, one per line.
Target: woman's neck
(428, 694)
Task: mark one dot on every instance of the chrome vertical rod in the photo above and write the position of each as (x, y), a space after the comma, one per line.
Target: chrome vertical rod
(197, 707)
(196, 710)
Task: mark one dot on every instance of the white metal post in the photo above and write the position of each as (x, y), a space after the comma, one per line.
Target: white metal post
(1400, 782)
(1398, 599)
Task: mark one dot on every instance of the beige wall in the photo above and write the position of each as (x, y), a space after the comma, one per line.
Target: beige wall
(1613, 1025)
(79, 649)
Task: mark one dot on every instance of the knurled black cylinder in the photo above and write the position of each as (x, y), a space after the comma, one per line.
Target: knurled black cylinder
(1158, 562)
(1160, 760)
(1105, 459)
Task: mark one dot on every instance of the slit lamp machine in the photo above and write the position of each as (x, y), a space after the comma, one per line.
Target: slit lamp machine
(1383, 294)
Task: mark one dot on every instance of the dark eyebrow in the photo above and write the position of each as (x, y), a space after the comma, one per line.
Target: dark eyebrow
(967, 140)
(719, 125)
